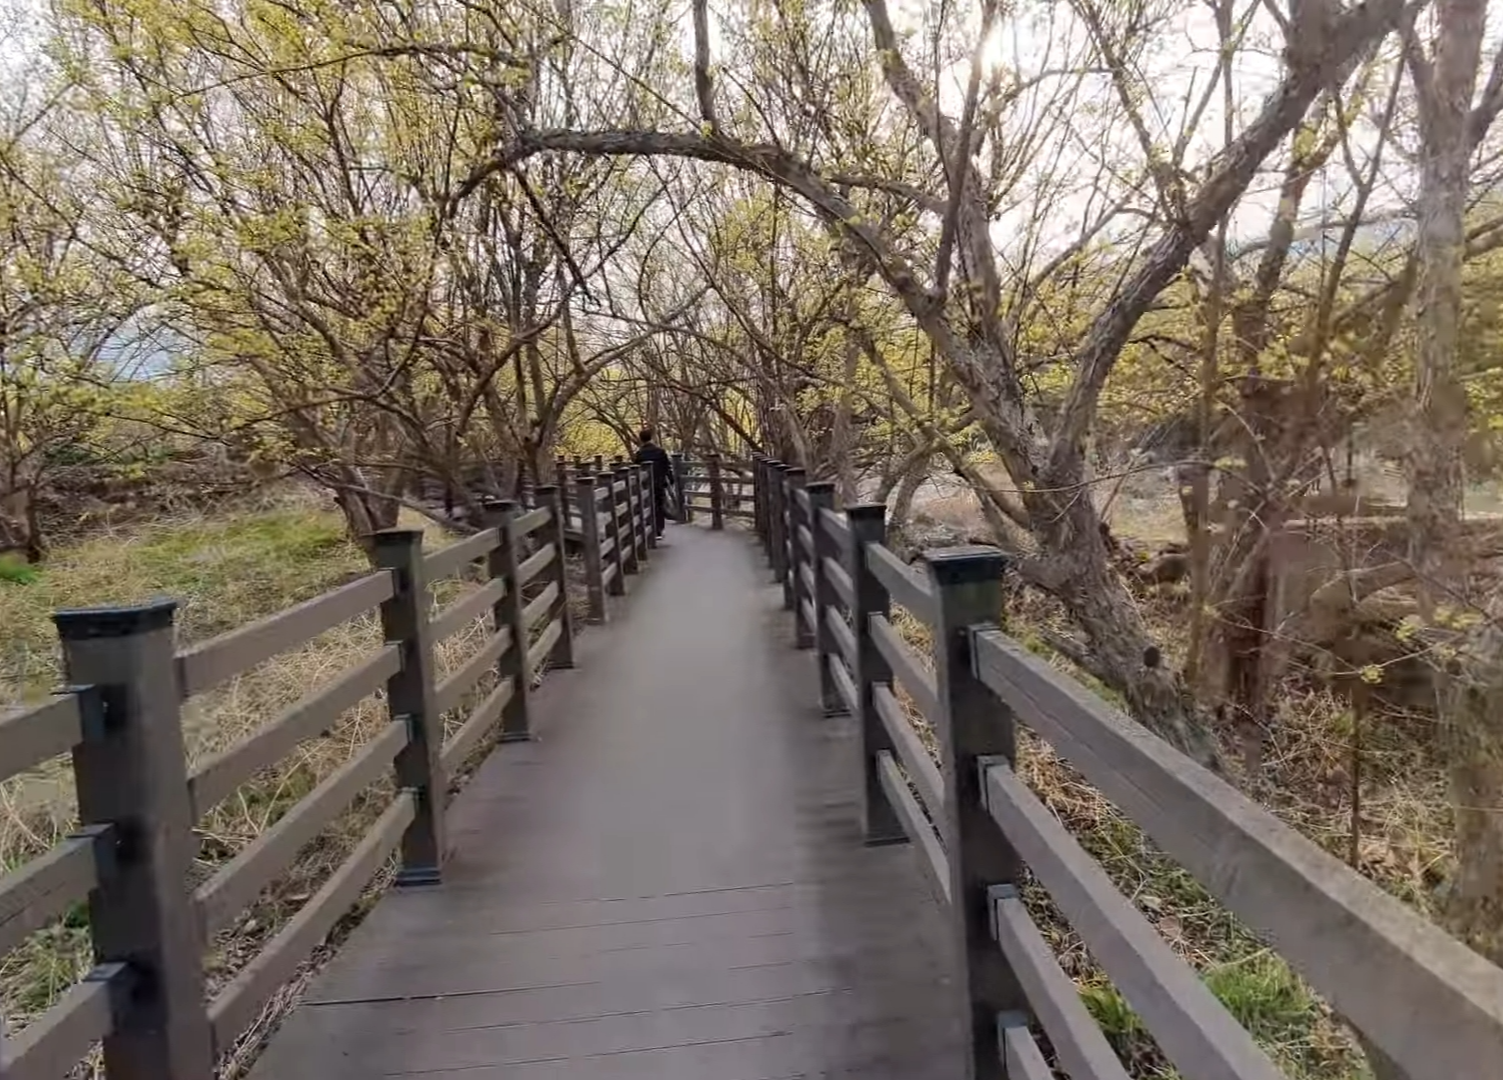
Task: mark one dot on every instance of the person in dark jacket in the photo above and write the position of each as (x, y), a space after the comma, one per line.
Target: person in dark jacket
(662, 475)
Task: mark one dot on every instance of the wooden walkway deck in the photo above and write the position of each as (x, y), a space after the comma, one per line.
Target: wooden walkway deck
(669, 883)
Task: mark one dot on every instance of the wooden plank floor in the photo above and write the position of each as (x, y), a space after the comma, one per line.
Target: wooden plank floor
(668, 884)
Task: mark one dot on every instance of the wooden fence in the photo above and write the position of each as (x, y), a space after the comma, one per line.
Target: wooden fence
(718, 486)
(1433, 1006)
(138, 800)
(714, 485)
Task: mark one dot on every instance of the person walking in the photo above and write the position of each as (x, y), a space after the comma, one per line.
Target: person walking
(650, 453)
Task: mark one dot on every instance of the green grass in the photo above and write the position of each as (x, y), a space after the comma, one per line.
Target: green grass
(222, 570)
(15, 570)
(1262, 994)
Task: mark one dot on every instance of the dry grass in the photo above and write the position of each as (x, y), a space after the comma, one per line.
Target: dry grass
(224, 570)
(1306, 780)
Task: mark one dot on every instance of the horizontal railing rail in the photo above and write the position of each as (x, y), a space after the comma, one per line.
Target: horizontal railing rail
(455, 557)
(238, 1004)
(1432, 1006)
(38, 891)
(469, 609)
(203, 667)
(139, 800)
(240, 881)
(33, 735)
(87, 1013)
(218, 777)
(1350, 940)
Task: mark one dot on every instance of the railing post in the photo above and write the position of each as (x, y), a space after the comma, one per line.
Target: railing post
(617, 557)
(681, 482)
(972, 725)
(648, 517)
(599, 464)
(589, 533)
(764, 501)
(757, 519)
(717, 494)
(622, 475)
(133, 774)
(516, 725)
(879, 822)
(409, 697)
(773, 481)
(634, 493)
(560, 471)
(562, 654)
(783, 564)
(822, 497)
(803, 634)
(627, 472)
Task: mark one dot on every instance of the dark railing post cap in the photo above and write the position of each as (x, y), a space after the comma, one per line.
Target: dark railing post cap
(1006, 1021)
(796, 471)
(1005, 891)
(781, 466)
(546, 489)
(966, 565)
(396, 537)
(873, 511)
(820, 487)
(84, 624)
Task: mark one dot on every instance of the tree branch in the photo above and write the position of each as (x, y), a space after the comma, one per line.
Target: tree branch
(1281, 112)
(704, 90)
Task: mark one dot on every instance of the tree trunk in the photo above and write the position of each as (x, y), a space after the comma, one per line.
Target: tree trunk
(1122, 653)
(1439, 415)
(1470, 704)
(902, 505)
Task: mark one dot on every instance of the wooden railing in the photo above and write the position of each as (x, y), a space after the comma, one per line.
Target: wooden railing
(609, 522)
(139, 802)
(1426, 1001)
(717, 486)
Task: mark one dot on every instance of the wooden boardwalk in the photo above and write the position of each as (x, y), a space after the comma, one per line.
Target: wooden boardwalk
(668, 883)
